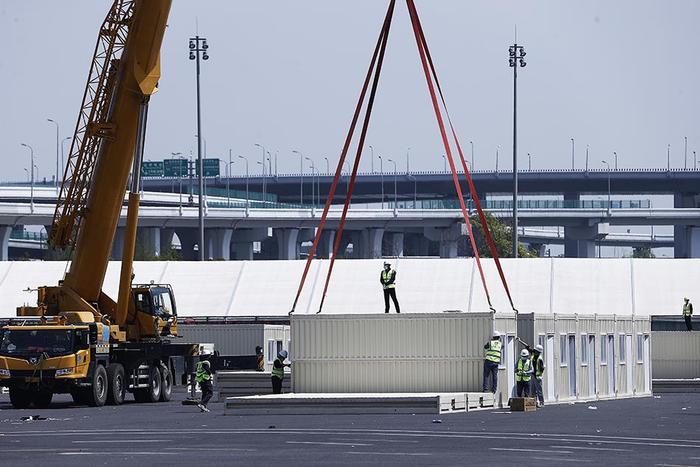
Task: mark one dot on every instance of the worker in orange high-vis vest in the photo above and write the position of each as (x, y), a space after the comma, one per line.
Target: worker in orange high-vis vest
(388, 280)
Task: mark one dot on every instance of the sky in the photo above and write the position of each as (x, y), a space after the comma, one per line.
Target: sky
(616, 75)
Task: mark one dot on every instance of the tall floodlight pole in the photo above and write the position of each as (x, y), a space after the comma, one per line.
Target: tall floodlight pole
(301, 176)
(247, 197)
(313, 171)
(381, 176)
(573, 152)
(58, 149)
(685, 152)
(615, 155)
(516, 55)
(608, 165)
(407, 160)
(396, 204)
(198, 49)
(31, 178)
(668, 157)
(372, 158)
(695, 161)
(472, 144)
(262, 148)
(587, 148)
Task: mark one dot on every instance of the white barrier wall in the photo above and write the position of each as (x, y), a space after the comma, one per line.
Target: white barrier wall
(267, 288)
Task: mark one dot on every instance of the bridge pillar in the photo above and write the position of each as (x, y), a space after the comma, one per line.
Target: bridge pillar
(448, 238)
(243, 240)
(579, 242)
(370, 243)
(5, 231)
(166, 240)
(147, 242)
(686, 238)
(287, 242)
(218, 242)
(394, 245)
(189, 237)
(325, 244)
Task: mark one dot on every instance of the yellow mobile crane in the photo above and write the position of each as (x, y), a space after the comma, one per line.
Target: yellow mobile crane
(84, 343)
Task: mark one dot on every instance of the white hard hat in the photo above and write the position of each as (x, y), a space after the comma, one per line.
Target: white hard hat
(283, 354)
(539, 348)
(524, 353)
(387, 263)
(496, 334)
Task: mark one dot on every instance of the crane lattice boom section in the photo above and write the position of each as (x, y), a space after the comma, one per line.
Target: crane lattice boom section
(93, 124)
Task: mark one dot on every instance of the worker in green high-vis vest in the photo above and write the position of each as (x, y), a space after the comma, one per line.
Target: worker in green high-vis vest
(278, 371)
(388, 280)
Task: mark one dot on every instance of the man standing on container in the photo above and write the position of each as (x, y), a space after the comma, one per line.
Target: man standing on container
(388, 280)
(492, 358)
(278, 371)
(688, 313)
(538, 368)
(523, 374)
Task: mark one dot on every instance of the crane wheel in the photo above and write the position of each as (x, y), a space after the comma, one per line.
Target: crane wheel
(155, 385)
(97, 393)
(166, 387)
(20, 399)
(116, 384)
(42, 399)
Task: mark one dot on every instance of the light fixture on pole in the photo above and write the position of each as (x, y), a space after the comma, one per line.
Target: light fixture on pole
(313, 171)
(685, 152)
(262, 163)
(516, 54)
(31, 177)
(198, 49)
(615, 155)
(301, 176)
(407, 160)
(472, 144)
(444, 163)
(587, 148)
(668, 157)
(57, 148)
(529, 162)
(573, 147)
(372, 158)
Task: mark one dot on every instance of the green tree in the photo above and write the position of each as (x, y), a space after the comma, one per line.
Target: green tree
(643, 252)
(502, 238)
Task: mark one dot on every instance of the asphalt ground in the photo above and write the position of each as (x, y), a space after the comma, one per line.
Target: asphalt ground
(659, 431)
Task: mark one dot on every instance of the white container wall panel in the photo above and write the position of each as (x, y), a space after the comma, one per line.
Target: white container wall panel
(228, 339)
(661, 284)
(675, 355)
(389, 353)
(529, 284)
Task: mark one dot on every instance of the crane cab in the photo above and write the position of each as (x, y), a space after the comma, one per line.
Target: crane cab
(153, 313)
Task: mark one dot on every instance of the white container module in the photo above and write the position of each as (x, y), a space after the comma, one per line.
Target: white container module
(417, 352)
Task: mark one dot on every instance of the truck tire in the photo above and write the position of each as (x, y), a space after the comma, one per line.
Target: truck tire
(42, 399)
(116, 384)
(97, 393)
(152, 393)
(166, 386)
(19, 398)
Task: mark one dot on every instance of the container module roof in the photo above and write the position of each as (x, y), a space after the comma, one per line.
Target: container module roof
(267, 288)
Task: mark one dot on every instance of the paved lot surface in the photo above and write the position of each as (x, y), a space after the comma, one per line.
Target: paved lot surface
(650, 431)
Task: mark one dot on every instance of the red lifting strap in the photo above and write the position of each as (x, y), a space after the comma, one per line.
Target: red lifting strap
(425, 52)
(378, 51)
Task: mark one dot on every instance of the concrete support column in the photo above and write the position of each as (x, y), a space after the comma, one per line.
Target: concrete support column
(218, 243)
(147, 242)
(166, 239)
(4, 242)
(448, 238)
(396, 240)
(243, 241)
(685, 237)
(325, 244)
(371, 243)
(579, 242)
(188, 239)
(287, 241)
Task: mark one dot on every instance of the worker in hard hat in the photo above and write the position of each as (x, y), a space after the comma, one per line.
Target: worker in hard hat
(278, 371)
(203, 376)
(523, 374)
(388, 280)
(492, 358)
(688, 313)
(538, 368)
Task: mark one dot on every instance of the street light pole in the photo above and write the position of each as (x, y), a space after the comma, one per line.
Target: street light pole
(263, 168)
(313, 170)
(615, 154)
(31, 178)
(407, 160)
(685, 152)
(695, 161)
(497, 149)
(529, 162)
(395, 191)
(516, 55)
(609, 204)
(572, 153)
(668, 158)
(472, 144)
(381, 171)
(198, 48)
(247, 198)
(444, 163)
(301, 176)
(587, 147)
(372, 151)
(328, 166)
(58, 149)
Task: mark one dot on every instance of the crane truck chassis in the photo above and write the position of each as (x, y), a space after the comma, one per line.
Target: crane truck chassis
(71, 353)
